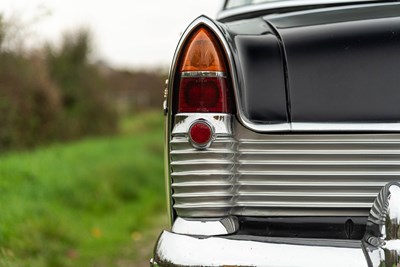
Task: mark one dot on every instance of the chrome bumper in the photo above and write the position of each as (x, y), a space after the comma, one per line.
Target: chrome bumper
(380, 246)
(181, 250)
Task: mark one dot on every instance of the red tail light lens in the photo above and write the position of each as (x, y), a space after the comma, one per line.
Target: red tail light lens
(208, 94)
(203, 83)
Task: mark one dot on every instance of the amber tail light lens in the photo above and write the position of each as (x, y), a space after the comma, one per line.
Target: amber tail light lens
(204, 83)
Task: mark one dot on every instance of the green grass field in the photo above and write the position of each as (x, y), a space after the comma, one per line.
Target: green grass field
(96, 202)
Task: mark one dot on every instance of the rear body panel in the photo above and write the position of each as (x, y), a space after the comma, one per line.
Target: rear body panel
(340, 66)
(343, 63)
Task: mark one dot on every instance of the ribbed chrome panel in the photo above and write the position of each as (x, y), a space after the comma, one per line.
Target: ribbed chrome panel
(283, 174)
(203, 180)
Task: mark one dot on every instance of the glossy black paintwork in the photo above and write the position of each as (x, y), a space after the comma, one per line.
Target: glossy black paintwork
(341, 65)
(261, 64)
(262, 89)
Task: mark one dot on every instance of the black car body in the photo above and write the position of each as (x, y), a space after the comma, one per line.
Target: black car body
(282, 126)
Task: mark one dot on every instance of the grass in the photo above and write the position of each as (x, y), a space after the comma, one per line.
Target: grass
(89, 203)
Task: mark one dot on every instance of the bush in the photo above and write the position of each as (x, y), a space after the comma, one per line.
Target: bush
(84, 93)
(29, 103)
(52, 95)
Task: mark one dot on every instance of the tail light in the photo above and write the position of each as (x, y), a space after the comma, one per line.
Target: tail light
(204, 84)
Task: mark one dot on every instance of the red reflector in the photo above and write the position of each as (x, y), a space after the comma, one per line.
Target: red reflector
(200, 134)
(203, 94)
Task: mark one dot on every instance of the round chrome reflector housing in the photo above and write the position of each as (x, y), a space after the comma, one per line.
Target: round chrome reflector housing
(201, 134)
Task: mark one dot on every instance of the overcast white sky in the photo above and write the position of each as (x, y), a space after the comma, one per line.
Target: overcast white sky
(126, 33)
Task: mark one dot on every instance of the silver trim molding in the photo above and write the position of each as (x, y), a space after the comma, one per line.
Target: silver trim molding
(345, 127)
(224, 14)
(196, 74)
(220, 123)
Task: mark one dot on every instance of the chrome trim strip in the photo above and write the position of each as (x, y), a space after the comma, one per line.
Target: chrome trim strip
(181, 250)
(196, 74)
(220, 123)
(322, 127)
(359, 127)
(224, 14)
(167, 173)
(206, 226)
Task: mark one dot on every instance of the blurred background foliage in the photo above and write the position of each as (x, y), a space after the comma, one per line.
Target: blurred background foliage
(97, 199)
(56, 93)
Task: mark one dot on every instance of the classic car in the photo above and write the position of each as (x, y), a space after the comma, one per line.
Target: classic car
(283, 137)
